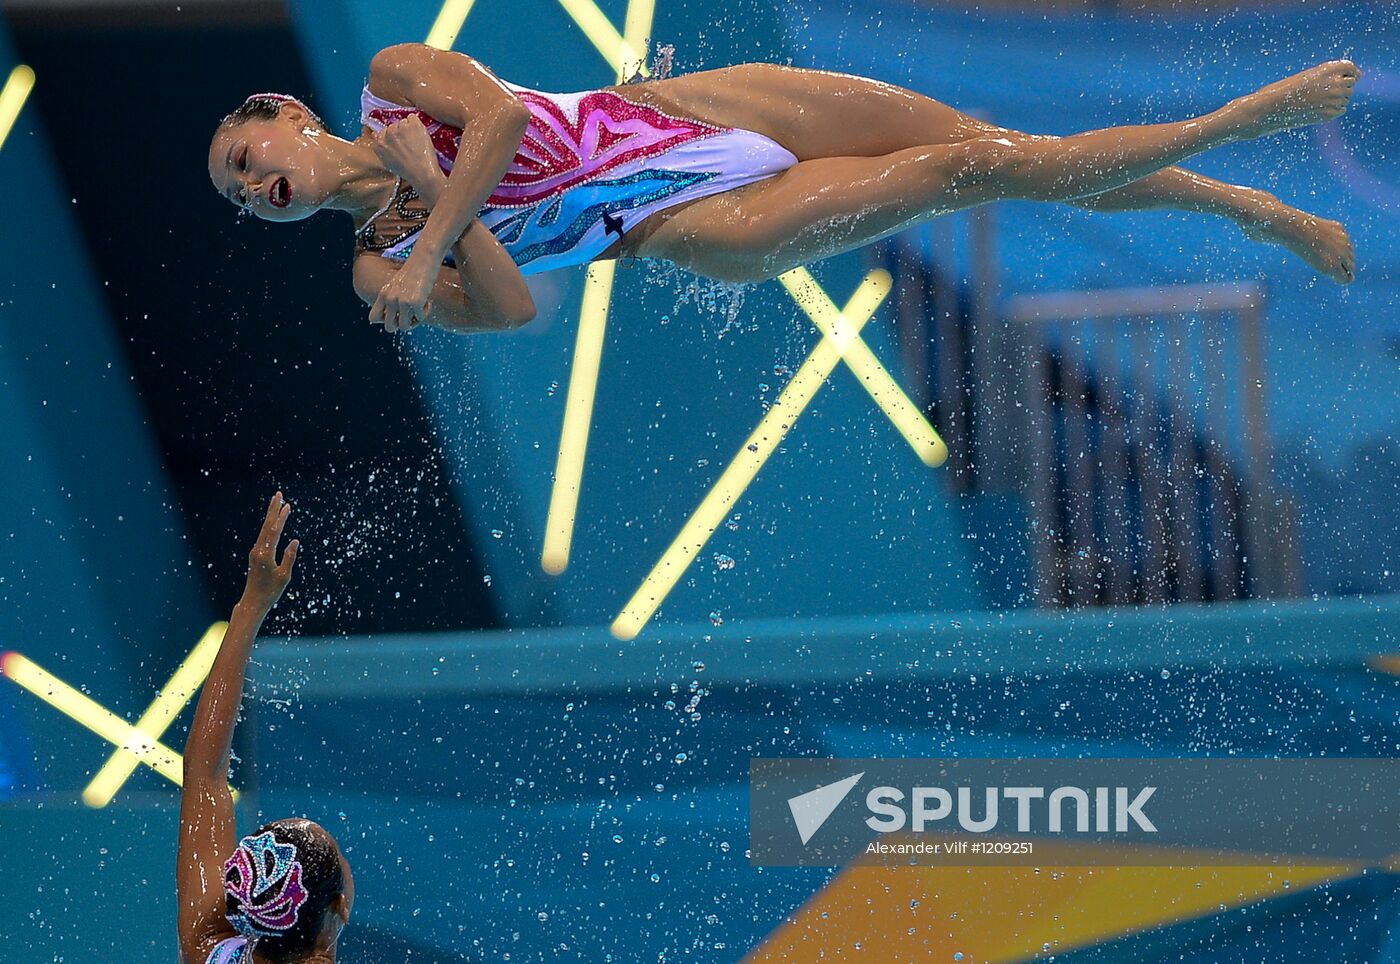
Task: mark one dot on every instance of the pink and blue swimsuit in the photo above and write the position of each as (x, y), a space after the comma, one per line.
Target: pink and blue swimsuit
(234, 950)
(590, 167)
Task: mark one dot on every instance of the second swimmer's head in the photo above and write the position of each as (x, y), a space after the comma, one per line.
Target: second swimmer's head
(288, 889)
(270, 158)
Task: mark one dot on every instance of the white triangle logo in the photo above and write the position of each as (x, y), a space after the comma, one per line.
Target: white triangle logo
(811, 809)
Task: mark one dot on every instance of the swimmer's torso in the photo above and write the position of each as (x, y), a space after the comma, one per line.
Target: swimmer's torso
(591, 166)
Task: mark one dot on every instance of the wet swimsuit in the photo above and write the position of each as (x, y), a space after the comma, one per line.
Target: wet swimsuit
(590, 167)
(235, 950)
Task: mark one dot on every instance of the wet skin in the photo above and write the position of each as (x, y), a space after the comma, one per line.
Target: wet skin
(873, 159)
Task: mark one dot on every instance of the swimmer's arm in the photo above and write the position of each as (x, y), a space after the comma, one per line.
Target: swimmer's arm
(490, 281)
(468, 300)
(456, 90)
(207, 826)
(489, 276)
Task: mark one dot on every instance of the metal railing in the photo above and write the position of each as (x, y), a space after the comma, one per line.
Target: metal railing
(1151, 473)
(1133, 421)
(948, 324)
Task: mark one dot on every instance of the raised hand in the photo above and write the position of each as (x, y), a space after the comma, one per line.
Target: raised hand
(267, 577)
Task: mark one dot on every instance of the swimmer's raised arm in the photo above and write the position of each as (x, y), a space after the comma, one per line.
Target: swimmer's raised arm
(207, 835)
(488, 292)
(454, 89)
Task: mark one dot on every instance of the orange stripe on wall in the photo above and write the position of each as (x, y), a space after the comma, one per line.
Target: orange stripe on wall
(1004, 914)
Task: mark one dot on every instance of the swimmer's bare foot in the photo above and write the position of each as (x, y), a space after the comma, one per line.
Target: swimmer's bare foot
(1321, 243)
(1311, 97)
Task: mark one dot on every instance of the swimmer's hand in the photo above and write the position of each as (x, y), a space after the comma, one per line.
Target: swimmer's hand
(407, 151)
(267, 578)
(403, 302)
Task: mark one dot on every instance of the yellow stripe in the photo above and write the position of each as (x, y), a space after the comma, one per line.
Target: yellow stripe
(450, 20)
(772, 429)
(578, 417)
(636, 32)
(588, 353)
(12, 98)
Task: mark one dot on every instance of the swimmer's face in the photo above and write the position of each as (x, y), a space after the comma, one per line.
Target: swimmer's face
(278, 169)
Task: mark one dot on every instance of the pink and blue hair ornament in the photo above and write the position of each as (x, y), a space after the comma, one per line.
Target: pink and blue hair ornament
(264, 878)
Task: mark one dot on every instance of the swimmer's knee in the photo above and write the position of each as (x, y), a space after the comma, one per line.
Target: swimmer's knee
(981, 159)
(990, 168)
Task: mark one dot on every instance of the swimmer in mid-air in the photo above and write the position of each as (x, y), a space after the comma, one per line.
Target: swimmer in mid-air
(460, 183)
(281, 894)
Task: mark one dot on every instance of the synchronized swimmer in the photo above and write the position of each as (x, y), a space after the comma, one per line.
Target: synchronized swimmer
(285, 890)
(460, 184)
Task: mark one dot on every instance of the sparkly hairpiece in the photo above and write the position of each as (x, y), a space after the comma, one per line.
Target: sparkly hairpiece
(265, 878)
(271, 96)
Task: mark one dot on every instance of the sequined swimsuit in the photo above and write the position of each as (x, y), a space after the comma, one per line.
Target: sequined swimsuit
(590, 167)
(235, 950)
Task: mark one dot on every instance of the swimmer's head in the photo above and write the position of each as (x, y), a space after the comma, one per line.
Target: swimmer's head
(270, 158)
(288, 889)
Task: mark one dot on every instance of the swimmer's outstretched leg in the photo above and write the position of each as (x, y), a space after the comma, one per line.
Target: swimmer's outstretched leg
(1322, 243)
(826, 205)
(1069, 168)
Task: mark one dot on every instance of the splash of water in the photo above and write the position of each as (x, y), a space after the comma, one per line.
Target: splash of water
(709, 296)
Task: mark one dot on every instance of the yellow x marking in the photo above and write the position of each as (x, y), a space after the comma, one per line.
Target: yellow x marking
(905, 415)
(840, 336)
(136, 744)
(12, 98)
